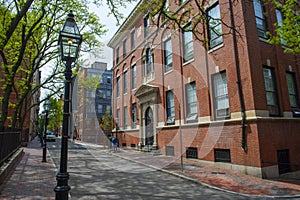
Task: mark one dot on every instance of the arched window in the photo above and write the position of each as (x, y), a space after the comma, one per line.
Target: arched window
(147, 65)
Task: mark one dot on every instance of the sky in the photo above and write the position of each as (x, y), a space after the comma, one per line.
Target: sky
(110, 23)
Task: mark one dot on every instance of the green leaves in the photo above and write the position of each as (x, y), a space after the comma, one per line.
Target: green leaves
(287, 32)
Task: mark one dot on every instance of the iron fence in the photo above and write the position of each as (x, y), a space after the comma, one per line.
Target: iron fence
(9, 143)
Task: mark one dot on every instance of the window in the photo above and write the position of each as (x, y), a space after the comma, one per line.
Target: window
(125, 82)
(133, 115)
(283, 159)
(292, 89)
(100, 93)
(214, 26)
(108, 108)
(279, 17)
(100, 107)
(108, 93)
(132, 39)
(168, 55)
(181, 2)
(261, 21)
(222, 155)
(146, 26)
(104, 109)
(148, 63)
(271, 91)
(108, 79)
(188, 48)
(191, 107)
(133, 76)
(170, 107)
(118, 86)
(117, 55)
(220, 90)
(191, 152)
(118, 117)
(125, 117)
(124, 48)
(166, 10)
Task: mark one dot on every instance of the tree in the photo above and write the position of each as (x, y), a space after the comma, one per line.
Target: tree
(55, 114)
(106, 122)
(28, 41)
(287, 31)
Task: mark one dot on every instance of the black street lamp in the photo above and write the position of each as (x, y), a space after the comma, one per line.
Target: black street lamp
(46, 110)
(69, 41)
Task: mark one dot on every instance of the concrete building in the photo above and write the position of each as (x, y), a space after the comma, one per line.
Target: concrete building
(231, 102)
(90, 102)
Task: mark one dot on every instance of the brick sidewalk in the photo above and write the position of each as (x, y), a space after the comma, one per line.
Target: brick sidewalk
(215, 177)
(32, 179)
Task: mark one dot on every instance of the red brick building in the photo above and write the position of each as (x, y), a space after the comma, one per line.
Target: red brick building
(235, 102)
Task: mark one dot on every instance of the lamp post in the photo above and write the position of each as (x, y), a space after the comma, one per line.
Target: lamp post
(46, 110)
(69, 41)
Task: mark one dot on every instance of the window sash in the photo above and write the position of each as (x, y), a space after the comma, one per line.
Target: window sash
(292, 90)
(134, 115)
(214, 26)
(146, 26)
(118, 86)
(188, 48)
(280, 18)
(168, 55)
(117, 55)
(132, 35)
(170, 104)
(261, 21)
(118, 117)
(125, 82)
(124, 48)
(221, 100)
(125, 117)
(271, 91)
(148, 66)
(133, 76)
(191, 99)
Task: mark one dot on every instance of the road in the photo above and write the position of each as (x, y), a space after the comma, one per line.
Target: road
(98, 174)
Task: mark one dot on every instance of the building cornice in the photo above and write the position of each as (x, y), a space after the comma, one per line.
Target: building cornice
(133, 17)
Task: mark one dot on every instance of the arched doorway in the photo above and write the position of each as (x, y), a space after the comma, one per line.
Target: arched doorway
(149, 126)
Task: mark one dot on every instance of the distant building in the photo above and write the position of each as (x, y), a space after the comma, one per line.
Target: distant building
(235, 102)
(34, 111)
(90, 104)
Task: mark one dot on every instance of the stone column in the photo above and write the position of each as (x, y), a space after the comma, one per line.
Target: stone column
(154, 147)
(141, 143)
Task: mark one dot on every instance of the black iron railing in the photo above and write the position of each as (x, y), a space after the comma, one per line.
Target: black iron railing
(9, 143)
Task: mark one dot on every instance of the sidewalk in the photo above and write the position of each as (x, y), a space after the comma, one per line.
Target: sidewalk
(214, 177)
(32, 178)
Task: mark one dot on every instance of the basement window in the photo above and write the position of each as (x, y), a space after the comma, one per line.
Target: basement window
(222, 155)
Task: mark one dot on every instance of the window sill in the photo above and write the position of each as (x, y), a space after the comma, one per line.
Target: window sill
(265, 40)
(168, 72)
(216, 48)
(188, 62)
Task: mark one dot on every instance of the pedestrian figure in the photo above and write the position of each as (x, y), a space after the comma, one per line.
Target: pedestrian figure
(114, 142)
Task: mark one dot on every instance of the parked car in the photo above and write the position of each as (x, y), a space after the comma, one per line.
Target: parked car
(50, 136)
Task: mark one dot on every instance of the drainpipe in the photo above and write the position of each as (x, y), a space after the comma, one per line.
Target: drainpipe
(238, 73)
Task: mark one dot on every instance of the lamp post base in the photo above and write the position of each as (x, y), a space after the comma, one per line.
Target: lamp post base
(62, 189)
